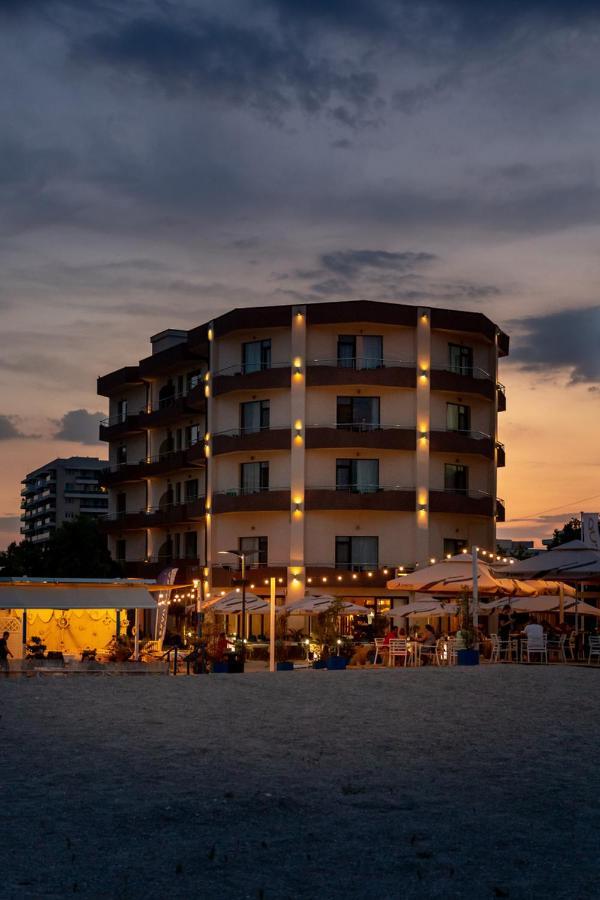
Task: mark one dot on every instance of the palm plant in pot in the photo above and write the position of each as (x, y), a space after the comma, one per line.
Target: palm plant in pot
(283, 664)
(325, 631)
(467, 650)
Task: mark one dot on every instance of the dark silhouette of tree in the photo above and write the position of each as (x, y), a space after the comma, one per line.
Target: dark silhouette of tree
(76, 549)
(571, 531)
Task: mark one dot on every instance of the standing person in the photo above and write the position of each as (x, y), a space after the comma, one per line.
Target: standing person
(4, 653)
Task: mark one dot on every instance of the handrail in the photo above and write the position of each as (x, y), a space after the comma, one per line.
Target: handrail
(472, 371)
(359, 488)
(148, 408)
(375, 362)
(242, 432)
(477, 435)
(149, 510)
(245, 492)
(149, 460)
(466, 492)
(361, 426)
(239, 368)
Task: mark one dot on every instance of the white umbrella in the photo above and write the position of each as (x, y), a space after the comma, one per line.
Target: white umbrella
(542, 605)
(231, 603)
(455, 576)
(312, 605)
(574, 561)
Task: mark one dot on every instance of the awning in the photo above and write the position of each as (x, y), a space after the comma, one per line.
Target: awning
(74, 595)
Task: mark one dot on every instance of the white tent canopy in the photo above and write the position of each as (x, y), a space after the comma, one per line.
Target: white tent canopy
(231, 603)
(73, 593)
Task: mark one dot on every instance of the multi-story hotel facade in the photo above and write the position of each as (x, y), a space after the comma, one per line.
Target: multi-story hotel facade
(331, 443)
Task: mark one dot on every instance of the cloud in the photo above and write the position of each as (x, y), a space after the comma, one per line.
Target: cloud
(350, 263)
(564, 340)
(9, 523)
(9, 430)
(80, 426)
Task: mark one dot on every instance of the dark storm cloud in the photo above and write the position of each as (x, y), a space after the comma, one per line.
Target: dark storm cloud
(80, 426)
(9, 429)
(564, 340)
(242, 66)
(351, 263)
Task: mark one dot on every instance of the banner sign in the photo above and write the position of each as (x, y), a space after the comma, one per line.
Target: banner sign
(590, 534)
(166, 577)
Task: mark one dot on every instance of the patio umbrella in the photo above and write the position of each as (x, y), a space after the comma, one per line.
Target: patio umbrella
(542, 604)
(574, 561)
(231, 603)
(455, 576)
(429, 607)
(312, 605)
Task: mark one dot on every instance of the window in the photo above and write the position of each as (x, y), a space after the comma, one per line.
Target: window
(166, 395)
(254, 477)
(122, 410)
(121, 503)
(456, 478)
(177, 492)
(121, 454)
(363, 351)
(359, 475)
(453, 546)
(254, 416)
(256, 356)
(191, 490)
(193, 435)
(193, 380)
(120, 550)
(255, 550)
(358, 553)
(190, 545)
(458, 417)
(358, 413)
(176, 546)
(346, 351)
(460, 359)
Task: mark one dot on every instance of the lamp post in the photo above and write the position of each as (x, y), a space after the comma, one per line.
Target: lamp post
(242, 557)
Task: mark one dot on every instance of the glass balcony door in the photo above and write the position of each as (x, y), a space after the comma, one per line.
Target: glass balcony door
(456, 478)
(458, 417)
(360, 476)
(256, 356)
(254, 477)
(357, 553)
(358, 413)
(254, 416)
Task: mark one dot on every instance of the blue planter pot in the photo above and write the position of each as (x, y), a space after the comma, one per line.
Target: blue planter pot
(335, 663)
(221, 667)
(467, 657)
(319, 664)
(285, 666)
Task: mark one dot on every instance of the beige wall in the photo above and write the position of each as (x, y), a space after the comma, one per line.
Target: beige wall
(136, 400)
(472, 529)
(480, 470)
(482, 411)
(398, 343)
(483, 353)
(227, 469)
(228, 349)
(229, 527)
(226, 408)
(395, 467)
(394, 529)
(396, 405)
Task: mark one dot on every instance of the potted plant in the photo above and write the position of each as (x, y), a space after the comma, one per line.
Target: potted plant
(283, 664)
(467, 649)
(326, 635)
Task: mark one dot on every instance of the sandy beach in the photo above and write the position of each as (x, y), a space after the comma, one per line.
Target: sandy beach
(412, 783)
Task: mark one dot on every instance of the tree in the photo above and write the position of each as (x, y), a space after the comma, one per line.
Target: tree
(571, 531)
(75, 550)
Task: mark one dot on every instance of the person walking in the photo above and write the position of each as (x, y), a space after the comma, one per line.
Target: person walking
(4, 653)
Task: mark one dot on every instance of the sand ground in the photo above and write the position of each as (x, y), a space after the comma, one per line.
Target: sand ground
(411, 783)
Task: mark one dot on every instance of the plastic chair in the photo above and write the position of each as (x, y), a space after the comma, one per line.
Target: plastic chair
(558, 647)
(532, 646)
(380, 648)
(398, 647)
(594, 647)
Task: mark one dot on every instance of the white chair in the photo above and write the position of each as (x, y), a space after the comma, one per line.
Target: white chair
(451, 651)
(531, 646)
(558, 647)
(495, 655)
(380, 648)
(594, 647)
(398, 648)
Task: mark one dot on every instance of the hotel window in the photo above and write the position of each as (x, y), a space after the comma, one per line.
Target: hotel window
(458, 417)
(453, 546)
(363, 351)
(358, 475)
(358, 413)
(255, 549)
(121, 503)
(456, 478)
(193, 380)
(166, 395)
(460, 359)
(191, 490)
(256, 356)
(255, 416)
(254, 477)
(357, 553)
(121, 454)
(122, 410)
(190, 545)
(193, 435)
(120, 550)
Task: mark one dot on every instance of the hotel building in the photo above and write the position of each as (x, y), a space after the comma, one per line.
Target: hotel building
(331, 443)
(61, 490)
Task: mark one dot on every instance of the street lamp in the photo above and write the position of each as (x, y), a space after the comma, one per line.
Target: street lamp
(242, 557)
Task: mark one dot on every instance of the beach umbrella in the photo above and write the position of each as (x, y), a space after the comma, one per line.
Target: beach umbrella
(313, 604)
(423, 608)
(455, 576)
(543, 604)
(574, 561)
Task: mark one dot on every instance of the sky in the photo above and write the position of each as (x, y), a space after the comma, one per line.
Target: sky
(162, 162)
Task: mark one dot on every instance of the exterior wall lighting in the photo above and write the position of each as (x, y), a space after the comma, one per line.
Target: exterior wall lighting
(211, 334)
(324, 579)
(385, 571)
(423, 373)
(339, 578)
(423, 435)
(432, 560)
(309, 580)
(354, 576)
(423, 507)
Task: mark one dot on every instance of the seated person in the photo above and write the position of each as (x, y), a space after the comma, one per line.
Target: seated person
(391, 635)
(222, 647)
(534, 633)
(428, 642)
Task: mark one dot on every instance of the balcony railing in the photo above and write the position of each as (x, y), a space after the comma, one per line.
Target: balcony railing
(362, 362)
(475, 435)
(470, 371)
(249, 492)
(363, 426)
(241, 369)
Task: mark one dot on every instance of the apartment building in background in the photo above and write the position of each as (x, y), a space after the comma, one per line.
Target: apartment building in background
(333, 444)
(61, 490)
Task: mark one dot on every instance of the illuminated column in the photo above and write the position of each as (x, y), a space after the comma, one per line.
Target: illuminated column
(423, 425)
(208, 501)
(296, 570)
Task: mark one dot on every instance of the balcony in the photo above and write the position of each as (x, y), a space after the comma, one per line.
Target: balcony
(374, 436)
(121, 473)
(120, 426)
(235, 501)
(387, 497)
(236, 439)
(470, 503)
(187, 569)
(500, 510)
(446, 440)
(258, 576)
(165, 412)
(463, 381)
(154, 517)
(234, 378)
(324, 577)
(387, 372)
(501, 394)
(500, 455)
